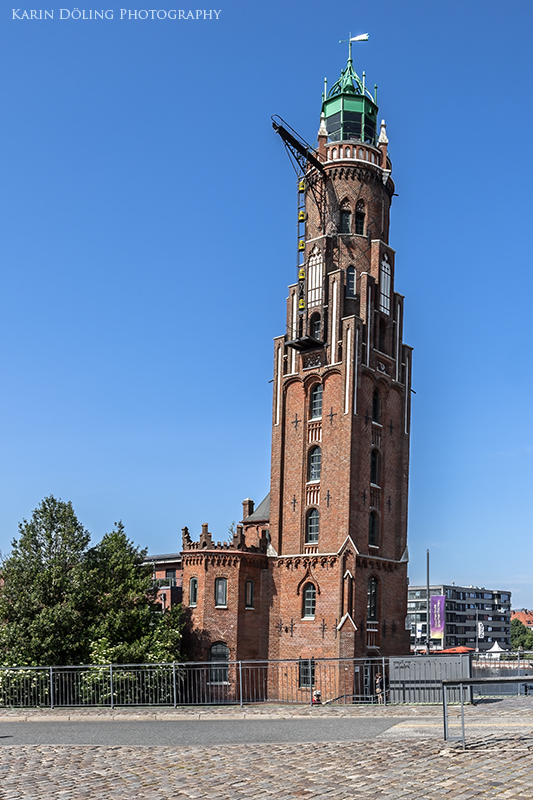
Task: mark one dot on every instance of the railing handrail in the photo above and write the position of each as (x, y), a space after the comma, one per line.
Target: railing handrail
(373, 679)
(462, 682)
(257, 661)
(478, 681)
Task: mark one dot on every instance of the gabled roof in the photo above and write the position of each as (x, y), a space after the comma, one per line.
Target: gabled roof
(261, 513)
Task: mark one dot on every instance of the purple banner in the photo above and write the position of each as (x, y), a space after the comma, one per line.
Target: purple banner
(437, 616)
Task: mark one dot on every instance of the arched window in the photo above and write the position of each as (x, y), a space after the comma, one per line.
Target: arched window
(219, 653)
(221, 592)
(315, 406)
(193, 591)
(312, 526)
(249, 594)
(373, 528)
(384, 285)
(309, 600)
(360, 218)
(314, 327)
(376, 410)
(315, 464)
(350, 282)
(372, 600)
(346, 218)
(374, 468)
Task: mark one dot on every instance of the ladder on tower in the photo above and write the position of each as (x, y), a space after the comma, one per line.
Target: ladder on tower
(300, 260)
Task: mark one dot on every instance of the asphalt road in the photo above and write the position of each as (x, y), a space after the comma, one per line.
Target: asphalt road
(193, 732)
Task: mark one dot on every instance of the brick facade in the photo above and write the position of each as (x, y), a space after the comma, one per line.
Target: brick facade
(326, 553)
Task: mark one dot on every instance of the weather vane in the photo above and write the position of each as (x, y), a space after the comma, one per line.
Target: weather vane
(363, 37)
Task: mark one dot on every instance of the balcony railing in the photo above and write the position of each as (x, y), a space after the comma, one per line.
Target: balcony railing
(165, 582)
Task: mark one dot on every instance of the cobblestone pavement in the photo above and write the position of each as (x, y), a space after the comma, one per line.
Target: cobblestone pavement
(415, 770)
(497, 764)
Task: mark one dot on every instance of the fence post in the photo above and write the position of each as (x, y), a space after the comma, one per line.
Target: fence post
(310, 684)
(111, 681)
(174, 680)
(384, 683)
(518, 673)
(51, 687)
(445, 711)
(240, 682)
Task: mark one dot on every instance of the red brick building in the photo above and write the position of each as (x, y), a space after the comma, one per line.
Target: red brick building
(319, 569)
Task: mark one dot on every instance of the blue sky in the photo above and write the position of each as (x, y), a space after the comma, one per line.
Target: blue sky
(147, 214)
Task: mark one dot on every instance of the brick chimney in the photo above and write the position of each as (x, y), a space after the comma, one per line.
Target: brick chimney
(247, 507)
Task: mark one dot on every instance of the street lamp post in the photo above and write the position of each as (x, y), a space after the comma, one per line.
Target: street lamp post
(428, 624)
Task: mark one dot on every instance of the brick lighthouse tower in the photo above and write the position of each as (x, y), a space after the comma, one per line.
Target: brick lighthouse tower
(319, 569)
(341, 411)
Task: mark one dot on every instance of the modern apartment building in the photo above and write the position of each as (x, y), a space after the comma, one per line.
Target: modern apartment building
(466, 608)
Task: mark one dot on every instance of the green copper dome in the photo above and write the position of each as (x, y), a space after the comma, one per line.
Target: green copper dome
(349, 110)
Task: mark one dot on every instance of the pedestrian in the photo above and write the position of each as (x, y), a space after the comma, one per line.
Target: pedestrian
(379, 686)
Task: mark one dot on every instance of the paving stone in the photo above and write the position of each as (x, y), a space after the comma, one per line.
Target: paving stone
(498, 763)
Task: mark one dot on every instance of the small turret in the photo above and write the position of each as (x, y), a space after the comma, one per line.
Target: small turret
(383, 142)
(322, 136)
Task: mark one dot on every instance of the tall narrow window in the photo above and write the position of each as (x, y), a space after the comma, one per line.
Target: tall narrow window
(373, 529)
(170, 575)
(306, 672)
(376, 415)
(314, 327)
(372, 600)
(346, 220)
(384, 285)
(316, 401)
(314, 278)
(350, 282)
(312, 527)
(221, 592)
(360, 218)
(374, 468)
(315, 464)
(249, 594)
(193, 592)
(219, 654)
(309, 600)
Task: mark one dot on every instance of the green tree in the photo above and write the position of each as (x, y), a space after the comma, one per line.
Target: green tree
(42, 620)
(521, 636)
(62, 602)
(125, 622)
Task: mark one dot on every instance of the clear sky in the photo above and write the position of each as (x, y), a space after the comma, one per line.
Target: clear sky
(147, 240)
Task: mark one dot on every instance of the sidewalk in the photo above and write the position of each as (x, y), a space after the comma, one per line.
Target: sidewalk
(493, 708)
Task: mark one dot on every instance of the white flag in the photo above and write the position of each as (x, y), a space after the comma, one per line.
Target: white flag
(363, 37)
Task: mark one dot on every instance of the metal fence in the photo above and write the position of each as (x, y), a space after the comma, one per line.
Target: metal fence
(419, 679)
(339, 681)
(505, 665)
